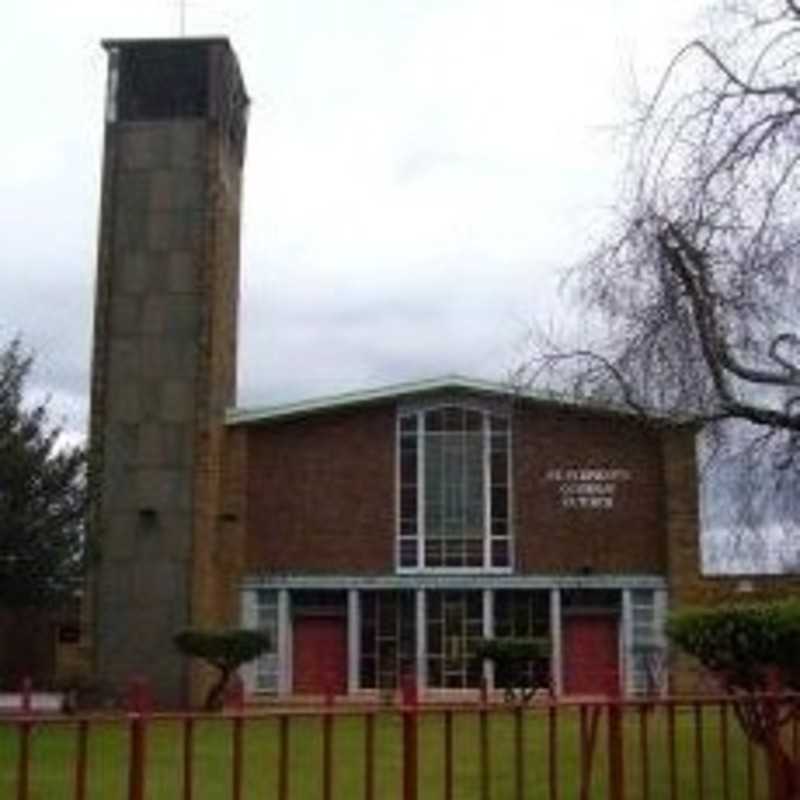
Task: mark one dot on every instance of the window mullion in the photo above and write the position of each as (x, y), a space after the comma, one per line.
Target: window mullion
(509, 440)
(398, 504)
(487, 490)
(421, 532)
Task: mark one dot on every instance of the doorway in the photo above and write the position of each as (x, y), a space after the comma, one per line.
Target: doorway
(591, 654)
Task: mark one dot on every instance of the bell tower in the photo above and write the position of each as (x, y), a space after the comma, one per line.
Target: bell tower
(164, 353)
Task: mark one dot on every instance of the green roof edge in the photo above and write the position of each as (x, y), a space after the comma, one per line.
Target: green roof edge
(254, 415)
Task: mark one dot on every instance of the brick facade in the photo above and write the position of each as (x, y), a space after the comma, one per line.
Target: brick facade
(627, 538)
(321, 493)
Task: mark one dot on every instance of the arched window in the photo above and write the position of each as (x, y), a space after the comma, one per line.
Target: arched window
(454, 469)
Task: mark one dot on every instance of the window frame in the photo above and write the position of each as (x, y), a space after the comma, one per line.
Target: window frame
(487, 410)
(399, 632)
(267, 669)
(457, 669)
(645, 641)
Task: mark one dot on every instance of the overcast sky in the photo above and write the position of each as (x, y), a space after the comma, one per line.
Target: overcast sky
(417, 174)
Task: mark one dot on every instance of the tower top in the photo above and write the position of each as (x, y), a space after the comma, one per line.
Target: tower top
(177, 78)
(155, 41)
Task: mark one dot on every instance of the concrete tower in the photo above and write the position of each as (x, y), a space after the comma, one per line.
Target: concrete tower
(164, 357)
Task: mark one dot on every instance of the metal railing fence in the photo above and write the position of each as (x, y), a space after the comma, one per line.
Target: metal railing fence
(653, 749)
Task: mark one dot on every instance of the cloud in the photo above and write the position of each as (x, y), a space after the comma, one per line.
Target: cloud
(416, 173)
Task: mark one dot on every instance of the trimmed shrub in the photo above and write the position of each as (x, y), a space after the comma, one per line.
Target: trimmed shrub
(749, 646)
(752, 648)
(521, 666)
(225, 650)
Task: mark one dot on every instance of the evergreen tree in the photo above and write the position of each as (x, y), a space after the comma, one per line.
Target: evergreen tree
(43, 495)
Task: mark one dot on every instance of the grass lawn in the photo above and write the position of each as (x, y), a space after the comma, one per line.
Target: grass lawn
(53, 750)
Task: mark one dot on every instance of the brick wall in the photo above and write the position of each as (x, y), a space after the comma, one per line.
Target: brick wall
(216, 548)
(555, 537)
(688, 585)
(321, 493)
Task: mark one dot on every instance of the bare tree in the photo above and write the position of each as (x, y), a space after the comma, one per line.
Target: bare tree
(694, 298)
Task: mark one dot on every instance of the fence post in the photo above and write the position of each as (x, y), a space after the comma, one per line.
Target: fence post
(283, 757)
(26, 695)
(188, 758)
(616, 765)
(485, 756)
(448, 754)
(779, 776)
(327, 736)
(139, 703)
(235, 701)
(410, 754)
(236, 766)
(81, 758)
(23, 767)
(369, 756)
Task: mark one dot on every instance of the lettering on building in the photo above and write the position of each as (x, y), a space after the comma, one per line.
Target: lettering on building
(589, 488)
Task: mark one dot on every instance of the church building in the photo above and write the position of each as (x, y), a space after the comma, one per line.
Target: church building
(372, 534)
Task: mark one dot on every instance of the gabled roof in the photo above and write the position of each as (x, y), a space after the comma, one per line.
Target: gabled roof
(447, 383)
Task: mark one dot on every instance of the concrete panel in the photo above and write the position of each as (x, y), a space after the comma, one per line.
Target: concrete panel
(159, 585)
(149, 401)
(136, 641)
(177, 189)
(124, 359)
(150, 451)
(160, 230)
(164, 488)
(143, 145)
(182, 316)
(150, 553)
(177, 401)
(140, 272)
(116, 583)
(177, 534)
(130, 230)
(134, 272)
(164, 445)
(187, 144)
(181, 272)
(125, 315)
(119, 540)
(120, 441)
(169, 358)
(119, 457)
(133, 190)
(159, 537)
(154, 315)
(175, 230)
(124, 404)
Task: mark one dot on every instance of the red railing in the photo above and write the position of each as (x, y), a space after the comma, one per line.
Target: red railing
(675, 748)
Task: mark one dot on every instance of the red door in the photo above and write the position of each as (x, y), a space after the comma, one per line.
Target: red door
(320, 654)
(591, 655)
